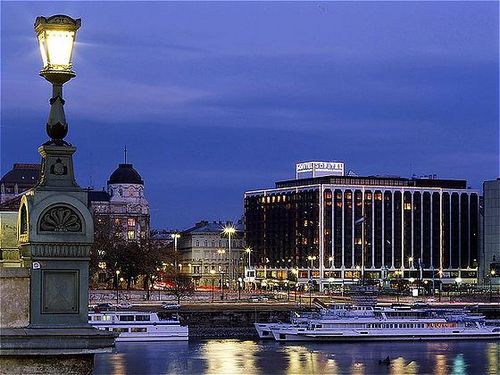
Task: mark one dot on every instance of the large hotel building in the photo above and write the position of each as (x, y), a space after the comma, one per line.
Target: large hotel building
(332, 228)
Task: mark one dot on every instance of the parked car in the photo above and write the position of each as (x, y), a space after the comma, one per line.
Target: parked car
(258, 299)
(104, 306)
(170, 305)
(124, 305)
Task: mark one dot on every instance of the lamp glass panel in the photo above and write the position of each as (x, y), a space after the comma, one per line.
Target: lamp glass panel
(60, 44)
(43, 51)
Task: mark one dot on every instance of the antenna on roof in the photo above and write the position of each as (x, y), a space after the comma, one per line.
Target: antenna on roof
(125, 153)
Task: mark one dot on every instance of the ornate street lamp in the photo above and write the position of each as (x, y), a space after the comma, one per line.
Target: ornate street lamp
(56, 38)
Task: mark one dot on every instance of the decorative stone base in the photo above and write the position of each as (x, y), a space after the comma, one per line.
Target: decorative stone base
(57, 351)
(46, 364)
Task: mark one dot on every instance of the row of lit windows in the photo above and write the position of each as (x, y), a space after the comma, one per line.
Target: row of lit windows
(345, 181)
(131, 221)
(235, 243)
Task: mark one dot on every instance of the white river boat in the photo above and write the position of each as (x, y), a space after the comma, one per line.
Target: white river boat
(139, 326)
(389, 324)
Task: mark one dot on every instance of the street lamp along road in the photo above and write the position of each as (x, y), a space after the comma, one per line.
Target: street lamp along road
(492, 274)
(212, 273)
(56, 38)
(229, 231)
(117, 282)
(248, 250)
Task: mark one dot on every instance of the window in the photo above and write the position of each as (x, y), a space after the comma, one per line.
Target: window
(131, 235)
(102, 265)
(120, 329)
(142, 318)
(131, 222)
(136, 329)
(126, 318)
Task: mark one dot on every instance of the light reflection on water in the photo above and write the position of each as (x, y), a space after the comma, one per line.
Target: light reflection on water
(250, 357)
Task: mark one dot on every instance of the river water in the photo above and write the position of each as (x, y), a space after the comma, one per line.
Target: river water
(269, 357)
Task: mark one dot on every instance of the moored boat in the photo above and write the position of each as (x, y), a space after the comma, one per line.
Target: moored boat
(388, 324)
(139, 326)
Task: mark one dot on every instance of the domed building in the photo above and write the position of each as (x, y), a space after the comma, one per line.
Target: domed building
(124, 202)
(20, 178)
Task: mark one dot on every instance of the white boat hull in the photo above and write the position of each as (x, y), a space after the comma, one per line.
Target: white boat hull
(136, 338)
(342, 336)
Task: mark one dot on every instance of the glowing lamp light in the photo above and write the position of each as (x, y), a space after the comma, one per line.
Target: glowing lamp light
(229, 230)
(56, 38)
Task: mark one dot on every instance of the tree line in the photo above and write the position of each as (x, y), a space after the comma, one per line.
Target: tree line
(139, 262)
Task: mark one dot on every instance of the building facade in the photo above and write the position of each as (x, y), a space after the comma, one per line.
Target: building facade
(334, 229)
(124, 202)
(490, 264)
(205, 253)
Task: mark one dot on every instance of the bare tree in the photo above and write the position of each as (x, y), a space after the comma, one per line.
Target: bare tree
(180, 286)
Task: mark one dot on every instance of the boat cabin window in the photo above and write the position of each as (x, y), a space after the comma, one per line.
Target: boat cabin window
(106, 317)
(120, 329)
(142, 318)
(138, 329)
(126, 318)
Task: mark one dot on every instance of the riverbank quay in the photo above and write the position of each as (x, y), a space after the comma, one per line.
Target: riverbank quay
(228, 320)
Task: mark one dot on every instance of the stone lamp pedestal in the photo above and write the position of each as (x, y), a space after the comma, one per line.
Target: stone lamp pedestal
(44, 304)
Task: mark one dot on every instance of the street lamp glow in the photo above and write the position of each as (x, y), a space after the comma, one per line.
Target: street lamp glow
(175, 235)
(229, 230)
(212, 272)
(458, 280)
(56, 38)
(492, 272)
(411, 280)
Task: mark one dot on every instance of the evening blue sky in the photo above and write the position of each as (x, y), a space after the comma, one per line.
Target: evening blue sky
(214, 99)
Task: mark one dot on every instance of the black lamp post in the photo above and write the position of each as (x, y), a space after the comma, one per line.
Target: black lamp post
(117, 281)
(492, 273)
(222, 286)
(212, 273)
(240, 280)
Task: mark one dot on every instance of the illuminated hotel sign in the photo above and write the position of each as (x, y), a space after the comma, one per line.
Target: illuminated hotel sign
(319, 168)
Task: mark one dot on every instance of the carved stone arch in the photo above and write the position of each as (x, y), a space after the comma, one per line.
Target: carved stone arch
(60, 218)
